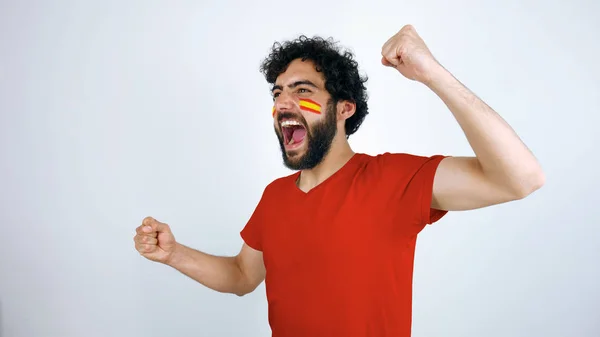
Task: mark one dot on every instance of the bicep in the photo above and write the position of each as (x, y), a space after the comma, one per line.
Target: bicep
(460, 184)
(252, 265)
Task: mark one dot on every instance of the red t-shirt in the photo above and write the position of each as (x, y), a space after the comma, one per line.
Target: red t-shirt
(339, 259)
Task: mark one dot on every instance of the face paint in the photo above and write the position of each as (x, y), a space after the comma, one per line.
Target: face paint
(305, 104)
(310, 105)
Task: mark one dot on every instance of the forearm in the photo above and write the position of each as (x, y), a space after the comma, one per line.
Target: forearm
(219, 273)
(502, 156)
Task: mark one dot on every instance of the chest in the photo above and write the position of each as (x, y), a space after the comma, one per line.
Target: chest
(323, 231)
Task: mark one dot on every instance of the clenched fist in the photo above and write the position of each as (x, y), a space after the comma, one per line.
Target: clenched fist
(154, 240)
(407, 52)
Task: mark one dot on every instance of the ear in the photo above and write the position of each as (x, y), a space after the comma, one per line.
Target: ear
(345, 110)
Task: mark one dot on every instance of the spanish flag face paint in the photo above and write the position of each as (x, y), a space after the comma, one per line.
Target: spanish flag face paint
(306, 105)
(310, 105)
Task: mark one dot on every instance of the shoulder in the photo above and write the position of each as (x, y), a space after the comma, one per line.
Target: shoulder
(398, 163)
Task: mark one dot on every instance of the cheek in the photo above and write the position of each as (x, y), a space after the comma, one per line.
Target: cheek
(312, 118)
(311, 114)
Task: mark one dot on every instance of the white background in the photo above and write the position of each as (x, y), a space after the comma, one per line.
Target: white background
(115, 110)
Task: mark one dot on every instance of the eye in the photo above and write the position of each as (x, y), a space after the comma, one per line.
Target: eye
(303, 90)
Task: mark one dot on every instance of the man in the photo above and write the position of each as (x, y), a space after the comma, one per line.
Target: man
(335, 241)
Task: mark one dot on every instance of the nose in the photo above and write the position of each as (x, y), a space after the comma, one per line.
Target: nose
(284, 102)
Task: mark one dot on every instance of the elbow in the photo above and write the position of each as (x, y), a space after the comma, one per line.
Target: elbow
(241, 292)
(529, 184)
(244, 286)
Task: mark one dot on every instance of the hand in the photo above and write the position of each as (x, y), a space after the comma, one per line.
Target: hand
(154, 240)
(407, 52)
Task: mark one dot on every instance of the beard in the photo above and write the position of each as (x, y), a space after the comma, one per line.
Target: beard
(318, 139)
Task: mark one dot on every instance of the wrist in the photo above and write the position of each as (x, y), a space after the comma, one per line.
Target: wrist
(438, 77)
(176, 257)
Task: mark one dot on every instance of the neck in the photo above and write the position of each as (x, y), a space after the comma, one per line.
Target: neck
(339, 154)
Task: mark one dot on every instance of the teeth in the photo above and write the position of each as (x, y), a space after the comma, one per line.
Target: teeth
(289, 123)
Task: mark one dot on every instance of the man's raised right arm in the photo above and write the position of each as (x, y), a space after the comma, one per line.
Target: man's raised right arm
(239, 274)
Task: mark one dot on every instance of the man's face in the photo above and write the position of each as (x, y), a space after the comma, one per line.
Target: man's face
(305, 116)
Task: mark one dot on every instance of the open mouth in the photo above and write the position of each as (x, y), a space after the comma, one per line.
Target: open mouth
(293, 133)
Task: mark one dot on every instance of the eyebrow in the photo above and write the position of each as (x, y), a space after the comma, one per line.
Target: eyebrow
(295, 84)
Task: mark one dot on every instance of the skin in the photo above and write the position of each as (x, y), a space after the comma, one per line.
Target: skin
(502, 170)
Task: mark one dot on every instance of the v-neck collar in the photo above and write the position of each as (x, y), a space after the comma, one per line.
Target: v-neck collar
(328, 180)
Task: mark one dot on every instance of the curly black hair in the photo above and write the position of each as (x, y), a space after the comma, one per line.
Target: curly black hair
(342, 78)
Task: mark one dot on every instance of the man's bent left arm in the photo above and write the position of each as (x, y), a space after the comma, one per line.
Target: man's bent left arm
(503, 168)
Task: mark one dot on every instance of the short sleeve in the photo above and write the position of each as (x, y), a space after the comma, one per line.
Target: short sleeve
(252, 232)
(409, 180)
(422, 188)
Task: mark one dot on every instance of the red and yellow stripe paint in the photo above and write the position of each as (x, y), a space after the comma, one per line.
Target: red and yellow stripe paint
(305, 104)
(310, 105)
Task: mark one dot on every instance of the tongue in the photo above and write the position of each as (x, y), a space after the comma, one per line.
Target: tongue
(298, 135)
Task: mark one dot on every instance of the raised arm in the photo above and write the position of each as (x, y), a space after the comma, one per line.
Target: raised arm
(503, 169)
(239, 274)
